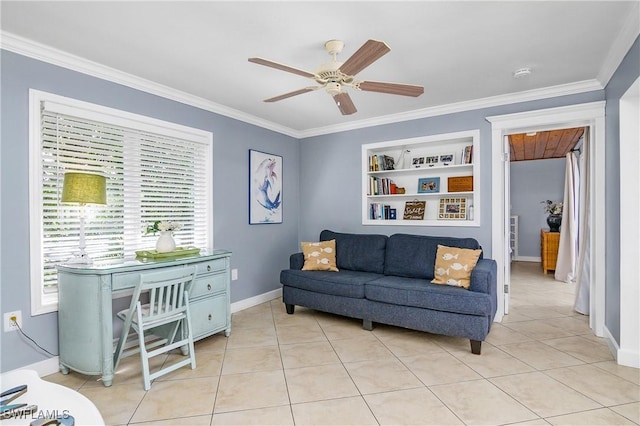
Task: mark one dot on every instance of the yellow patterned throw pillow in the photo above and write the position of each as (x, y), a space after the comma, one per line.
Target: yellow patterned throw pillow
(319, 256)
(454, 266)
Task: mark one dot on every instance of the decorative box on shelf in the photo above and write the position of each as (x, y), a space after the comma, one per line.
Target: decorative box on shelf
(460, 184)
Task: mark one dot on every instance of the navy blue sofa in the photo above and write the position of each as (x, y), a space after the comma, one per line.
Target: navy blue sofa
(388, 280)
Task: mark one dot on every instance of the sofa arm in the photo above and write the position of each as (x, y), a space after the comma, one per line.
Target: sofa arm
(484, 276)
(296, 261)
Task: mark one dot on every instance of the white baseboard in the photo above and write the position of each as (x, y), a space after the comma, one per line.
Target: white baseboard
(628, 358)
(43, 368)
(52, 365)
(611, 343)
(255, 300)
(527, 259)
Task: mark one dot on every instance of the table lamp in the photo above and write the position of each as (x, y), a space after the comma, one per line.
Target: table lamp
(83, 188)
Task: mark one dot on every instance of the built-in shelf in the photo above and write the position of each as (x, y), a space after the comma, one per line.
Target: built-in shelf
(424, 168)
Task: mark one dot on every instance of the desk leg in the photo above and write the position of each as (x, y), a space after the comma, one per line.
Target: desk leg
(107, 329)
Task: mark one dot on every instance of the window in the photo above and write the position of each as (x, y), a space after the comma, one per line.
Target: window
(155, 170)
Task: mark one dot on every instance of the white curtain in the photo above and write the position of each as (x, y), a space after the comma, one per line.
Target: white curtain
(583, 278)
(567, 263)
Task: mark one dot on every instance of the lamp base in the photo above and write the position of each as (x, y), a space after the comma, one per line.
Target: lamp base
(80, 259)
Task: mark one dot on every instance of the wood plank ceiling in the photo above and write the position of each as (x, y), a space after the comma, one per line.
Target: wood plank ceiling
(541, 145)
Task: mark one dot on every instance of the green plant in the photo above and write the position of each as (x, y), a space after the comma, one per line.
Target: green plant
(162, 225)
(552, 207)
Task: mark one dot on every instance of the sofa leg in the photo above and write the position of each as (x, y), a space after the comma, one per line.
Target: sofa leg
(290, 308)
(475, 346)
(367, 324)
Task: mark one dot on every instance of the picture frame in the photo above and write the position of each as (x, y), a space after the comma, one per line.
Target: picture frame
(428, 185)
(431, 160)
(453, 208)
(417, 162)
(265, 188)
(447, 159)
(414, 210)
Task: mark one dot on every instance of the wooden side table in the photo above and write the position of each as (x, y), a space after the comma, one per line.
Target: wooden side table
(549, 243)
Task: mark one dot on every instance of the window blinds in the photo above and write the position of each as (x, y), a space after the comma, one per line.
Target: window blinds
(151, 175)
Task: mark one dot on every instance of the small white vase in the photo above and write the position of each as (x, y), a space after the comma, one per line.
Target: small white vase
(165, 242)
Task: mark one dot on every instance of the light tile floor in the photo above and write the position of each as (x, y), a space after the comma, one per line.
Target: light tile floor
(541, 365)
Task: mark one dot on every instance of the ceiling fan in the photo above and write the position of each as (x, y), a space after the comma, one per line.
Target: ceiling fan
(334, 76)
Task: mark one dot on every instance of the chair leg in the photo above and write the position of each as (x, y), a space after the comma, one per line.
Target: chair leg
(144, 355)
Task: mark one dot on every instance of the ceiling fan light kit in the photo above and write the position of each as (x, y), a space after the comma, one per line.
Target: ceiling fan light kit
(334, 75)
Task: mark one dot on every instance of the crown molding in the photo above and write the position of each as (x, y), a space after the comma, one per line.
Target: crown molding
(626, 37)
(63, 59)
(31, 49)
(511, 98)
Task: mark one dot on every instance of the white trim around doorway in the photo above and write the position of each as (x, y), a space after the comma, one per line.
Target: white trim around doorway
(591, 115)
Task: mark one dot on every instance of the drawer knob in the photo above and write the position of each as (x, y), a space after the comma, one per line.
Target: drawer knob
(209, 317)
(209, 287)
(208, 267)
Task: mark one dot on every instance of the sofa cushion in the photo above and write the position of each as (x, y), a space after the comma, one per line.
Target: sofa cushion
(454, 266)
(358, 252)
(422, 294)
(414, 256)
(344, 283)
(320, 256)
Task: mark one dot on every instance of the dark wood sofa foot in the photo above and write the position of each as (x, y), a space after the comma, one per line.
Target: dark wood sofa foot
(290, 308)
(475, 346)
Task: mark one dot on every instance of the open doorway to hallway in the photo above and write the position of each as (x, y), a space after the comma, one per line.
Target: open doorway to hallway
(537, 173)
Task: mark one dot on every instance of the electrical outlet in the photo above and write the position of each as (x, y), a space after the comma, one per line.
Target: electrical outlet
(234, 274)
(8, 323)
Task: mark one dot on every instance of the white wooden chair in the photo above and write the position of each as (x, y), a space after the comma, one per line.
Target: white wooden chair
(158, 321)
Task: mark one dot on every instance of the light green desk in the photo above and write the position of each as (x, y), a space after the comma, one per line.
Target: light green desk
(85, 312)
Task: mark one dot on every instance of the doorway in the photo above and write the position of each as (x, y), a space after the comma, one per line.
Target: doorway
(584, 115)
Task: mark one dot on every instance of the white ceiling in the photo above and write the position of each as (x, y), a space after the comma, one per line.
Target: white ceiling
(463, 53)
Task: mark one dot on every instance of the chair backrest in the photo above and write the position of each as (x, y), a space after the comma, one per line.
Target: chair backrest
(166, 292)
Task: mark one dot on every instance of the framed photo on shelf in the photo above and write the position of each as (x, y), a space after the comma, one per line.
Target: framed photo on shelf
(417, 162)
(265, 188)
(428, 185)
(453, 208)
(447, 159)
(431, 160)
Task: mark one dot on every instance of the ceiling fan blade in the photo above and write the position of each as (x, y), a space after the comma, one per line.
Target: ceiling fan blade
(391, 88)
(290, 94)
(345, 104)
(282, 67)
(369, 52)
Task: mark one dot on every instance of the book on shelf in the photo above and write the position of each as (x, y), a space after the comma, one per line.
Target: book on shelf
(467, 155)
(380, 211)
(381, 186)
(381, 163)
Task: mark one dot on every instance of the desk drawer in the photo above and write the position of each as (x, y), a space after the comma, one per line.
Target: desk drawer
(208, 284)
(209, 315)
(125, 280)
(211, 266)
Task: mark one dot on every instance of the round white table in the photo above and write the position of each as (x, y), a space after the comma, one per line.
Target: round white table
(50, 398)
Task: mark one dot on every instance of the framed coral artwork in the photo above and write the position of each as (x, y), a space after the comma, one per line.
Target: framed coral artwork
(265, 188)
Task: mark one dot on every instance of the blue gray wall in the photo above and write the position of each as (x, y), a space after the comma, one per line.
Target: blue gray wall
(331, 177)
(625, 75)
(533, 182)
(259, 251)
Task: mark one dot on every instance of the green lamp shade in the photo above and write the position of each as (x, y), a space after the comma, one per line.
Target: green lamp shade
(84, 188)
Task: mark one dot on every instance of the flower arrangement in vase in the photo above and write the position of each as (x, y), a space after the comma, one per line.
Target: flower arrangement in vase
(554, 219)
(165, 242)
